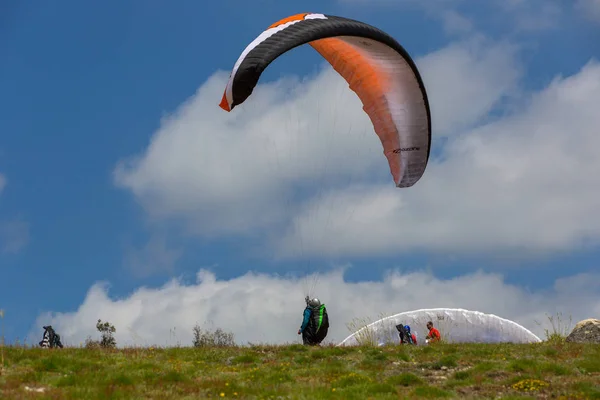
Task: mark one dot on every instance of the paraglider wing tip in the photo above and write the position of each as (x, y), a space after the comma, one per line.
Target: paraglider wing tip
(224, 104)
(406, 184)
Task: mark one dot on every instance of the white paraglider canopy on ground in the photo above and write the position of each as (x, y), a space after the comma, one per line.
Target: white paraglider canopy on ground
(455, 325)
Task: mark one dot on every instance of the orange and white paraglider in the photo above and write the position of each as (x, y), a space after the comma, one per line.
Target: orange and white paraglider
(376, 67)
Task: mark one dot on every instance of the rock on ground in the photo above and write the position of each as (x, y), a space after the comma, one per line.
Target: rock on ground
(586, 331)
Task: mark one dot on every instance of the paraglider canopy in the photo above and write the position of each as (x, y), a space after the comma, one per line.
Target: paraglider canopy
(377, 68)
(455, 325)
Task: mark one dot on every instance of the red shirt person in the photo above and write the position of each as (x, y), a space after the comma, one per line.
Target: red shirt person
(434, 334)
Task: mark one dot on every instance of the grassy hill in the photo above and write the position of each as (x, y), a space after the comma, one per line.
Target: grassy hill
(553, 369)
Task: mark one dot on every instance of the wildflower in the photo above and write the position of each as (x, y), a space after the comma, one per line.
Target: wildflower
(528, 385)
(222, 394)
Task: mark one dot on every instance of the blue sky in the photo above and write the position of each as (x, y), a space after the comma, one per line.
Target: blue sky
(86, 86)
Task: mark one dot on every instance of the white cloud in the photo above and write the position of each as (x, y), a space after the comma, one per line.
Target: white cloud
(244, 172)
(265, 309)
(233, 172)
(466, 80)
(525, 182)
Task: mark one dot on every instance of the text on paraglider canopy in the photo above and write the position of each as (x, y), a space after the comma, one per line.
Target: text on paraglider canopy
(401, 149)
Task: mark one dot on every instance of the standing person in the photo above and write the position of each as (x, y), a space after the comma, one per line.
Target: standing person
(315, 323)
(433, 335)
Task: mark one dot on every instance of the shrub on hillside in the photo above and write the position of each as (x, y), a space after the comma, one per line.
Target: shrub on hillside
(107, 340)
(216, 338)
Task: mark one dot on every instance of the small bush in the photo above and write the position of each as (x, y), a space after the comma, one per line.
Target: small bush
(107, 330)
(559, 329)
(91, 343)
(217, 338)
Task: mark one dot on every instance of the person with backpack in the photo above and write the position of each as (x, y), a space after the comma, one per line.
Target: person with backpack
(411, 335)
(51, 339)
(406, 337)
(315, 324)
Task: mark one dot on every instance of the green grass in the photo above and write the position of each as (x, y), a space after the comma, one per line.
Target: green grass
(558, 369)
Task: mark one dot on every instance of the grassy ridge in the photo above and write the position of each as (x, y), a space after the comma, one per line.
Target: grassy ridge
(297, 372)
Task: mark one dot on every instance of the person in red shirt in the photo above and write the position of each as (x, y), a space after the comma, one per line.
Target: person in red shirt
(434, 334)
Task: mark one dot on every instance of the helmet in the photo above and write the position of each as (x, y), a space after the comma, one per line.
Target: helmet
(407, 328)
(314, 302)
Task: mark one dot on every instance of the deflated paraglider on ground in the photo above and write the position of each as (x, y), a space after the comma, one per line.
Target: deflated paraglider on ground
(377, 69)
(455, 325)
